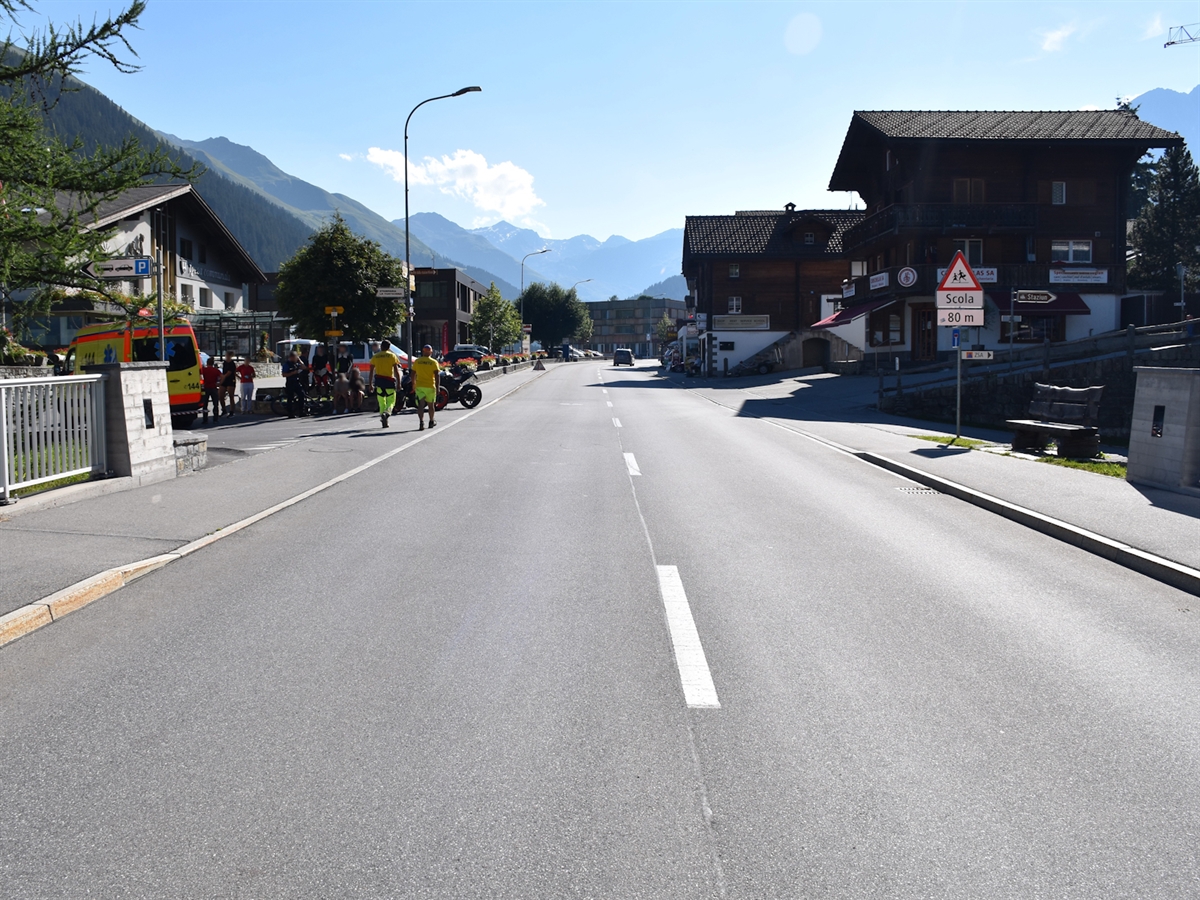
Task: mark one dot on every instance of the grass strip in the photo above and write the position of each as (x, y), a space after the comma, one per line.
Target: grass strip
(969, 443)
(1099, 466)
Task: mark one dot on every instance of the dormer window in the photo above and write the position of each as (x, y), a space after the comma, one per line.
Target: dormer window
(735, 271)
(809, 237)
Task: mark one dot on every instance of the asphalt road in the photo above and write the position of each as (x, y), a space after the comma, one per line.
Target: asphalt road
(453, 676)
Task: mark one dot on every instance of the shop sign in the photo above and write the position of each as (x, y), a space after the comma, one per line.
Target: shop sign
(741, 323)
(879, 280)
(1079, 276)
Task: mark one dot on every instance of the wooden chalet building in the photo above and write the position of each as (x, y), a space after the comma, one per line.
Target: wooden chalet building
(756, 277)
(1035, 200)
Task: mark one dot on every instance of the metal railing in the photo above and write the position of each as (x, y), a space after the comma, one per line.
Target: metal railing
(50, 428)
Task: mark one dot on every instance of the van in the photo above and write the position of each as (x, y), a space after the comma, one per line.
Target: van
(360, 351)
(112, 342)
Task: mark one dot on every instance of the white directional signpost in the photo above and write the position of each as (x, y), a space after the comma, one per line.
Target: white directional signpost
(1012, 318)
(126, 268)
(959, 305)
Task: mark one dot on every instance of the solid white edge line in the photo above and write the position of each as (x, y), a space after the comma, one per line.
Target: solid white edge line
(698, 689)
(631, 465)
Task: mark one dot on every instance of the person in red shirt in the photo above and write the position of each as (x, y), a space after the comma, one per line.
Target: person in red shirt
(245, 373)
(210, 379)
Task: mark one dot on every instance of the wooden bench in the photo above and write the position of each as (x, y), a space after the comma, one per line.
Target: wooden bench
(1069, 415)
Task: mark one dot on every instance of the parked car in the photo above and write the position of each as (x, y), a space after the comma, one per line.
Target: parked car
(622, 356)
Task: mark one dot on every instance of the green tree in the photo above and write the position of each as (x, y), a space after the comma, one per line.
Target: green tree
(495, 321)
(51, 190)
(1167, 232)
(553, 312)
(583, 332)
(338, 268)
(665, 329)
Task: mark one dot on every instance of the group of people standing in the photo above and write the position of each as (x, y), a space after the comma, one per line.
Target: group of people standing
(218, 386)
(336, 377)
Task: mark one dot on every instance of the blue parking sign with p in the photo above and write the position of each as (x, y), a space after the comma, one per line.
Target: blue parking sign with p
(141, 266)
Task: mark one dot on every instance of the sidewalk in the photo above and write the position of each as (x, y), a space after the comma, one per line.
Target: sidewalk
(46, 550)
(841, 409)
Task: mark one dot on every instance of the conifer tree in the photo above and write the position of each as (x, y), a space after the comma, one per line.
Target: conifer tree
(50, 190)
(1167, 231)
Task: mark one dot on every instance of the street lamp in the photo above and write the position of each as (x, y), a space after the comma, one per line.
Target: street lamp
(408, 313)
(523, 258)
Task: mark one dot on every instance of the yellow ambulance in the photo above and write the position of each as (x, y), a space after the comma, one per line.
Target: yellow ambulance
(138, 342)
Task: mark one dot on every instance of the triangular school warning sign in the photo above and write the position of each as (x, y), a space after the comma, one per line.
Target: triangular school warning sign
(959, 276)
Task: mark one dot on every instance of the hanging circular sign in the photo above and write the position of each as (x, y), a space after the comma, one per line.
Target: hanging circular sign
(906, 277)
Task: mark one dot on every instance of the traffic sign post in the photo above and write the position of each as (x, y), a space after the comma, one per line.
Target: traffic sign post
(960, 305)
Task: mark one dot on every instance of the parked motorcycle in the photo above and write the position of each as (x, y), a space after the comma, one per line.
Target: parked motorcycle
(457, 382)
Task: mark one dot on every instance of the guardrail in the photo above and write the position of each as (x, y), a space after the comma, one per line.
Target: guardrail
(50, 428)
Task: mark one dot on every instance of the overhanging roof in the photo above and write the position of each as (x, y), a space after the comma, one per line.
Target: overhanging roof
(850, 313)
(764, 233)
(1109, 126)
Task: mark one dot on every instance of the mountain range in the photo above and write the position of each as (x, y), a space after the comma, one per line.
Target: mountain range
(272, 213)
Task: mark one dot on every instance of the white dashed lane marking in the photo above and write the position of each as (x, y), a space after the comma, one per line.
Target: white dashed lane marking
(609, 402)
(631, 465)
(699, 692)
(616, 422)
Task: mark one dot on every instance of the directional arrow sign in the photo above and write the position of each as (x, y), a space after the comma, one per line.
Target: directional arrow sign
(1036, 297)
(389, 293)
(124, 268)
(333, 334)
(978, 354)
(959, 288)
(334, 310)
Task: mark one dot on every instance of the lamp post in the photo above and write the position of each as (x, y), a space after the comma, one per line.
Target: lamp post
(408, 313)
(522, 310)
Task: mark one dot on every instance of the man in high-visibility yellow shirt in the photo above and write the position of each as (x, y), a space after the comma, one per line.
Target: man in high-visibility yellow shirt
(384, 366)
(426, 372)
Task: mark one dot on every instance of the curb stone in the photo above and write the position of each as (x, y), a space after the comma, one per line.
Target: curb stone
(1167, 571)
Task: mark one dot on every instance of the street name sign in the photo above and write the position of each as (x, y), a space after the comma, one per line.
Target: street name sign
(959, 289)
(390, 293)
(960, 318)
(978, 354)
(1036, 297)
(122, 268)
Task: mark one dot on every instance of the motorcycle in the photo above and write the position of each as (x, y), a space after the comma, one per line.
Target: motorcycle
(456, 382)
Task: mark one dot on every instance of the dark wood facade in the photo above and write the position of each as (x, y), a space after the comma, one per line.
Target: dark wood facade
(774, 263)
(1040, 198)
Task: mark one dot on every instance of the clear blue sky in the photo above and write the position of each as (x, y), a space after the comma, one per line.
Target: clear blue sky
(611, 118)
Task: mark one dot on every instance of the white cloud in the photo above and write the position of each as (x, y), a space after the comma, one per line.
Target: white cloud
(346, 156)
(1053, 40)
(504, 190)
(803, 34)
(1154, 28)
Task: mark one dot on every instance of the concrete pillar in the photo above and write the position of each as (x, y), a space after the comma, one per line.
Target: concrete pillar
(1164, 438)
(139, 439)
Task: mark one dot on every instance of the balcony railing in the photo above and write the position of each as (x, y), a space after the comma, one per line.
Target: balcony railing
(942, 217)
(1027, 276)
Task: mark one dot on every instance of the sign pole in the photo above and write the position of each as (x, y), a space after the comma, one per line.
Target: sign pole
(162, 330)
(1012, 303)
(958, 396)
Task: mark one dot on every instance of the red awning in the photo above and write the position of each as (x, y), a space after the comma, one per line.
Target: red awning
(1061, 305)
(850, 313)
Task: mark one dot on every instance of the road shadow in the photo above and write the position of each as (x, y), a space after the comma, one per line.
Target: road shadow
(1183, 504)
(940, 452)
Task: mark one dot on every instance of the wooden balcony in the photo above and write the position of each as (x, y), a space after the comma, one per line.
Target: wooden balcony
(943, 218)
(1029, 276)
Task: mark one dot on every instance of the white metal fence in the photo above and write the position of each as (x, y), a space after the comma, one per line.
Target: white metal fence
(50, 428)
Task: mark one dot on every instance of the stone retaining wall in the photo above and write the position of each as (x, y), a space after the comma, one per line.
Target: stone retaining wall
(191, 452)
